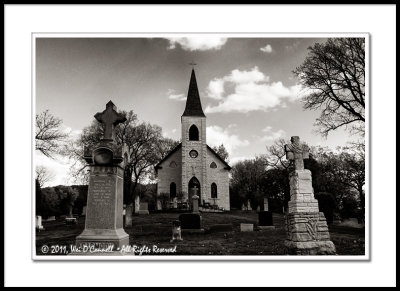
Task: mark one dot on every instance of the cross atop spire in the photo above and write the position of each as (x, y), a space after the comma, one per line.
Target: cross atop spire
(193, 103)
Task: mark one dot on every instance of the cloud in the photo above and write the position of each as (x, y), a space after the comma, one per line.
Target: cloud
(235, 160)
(215, 89)
(252, 91)
(178, 97)
(197, 43)
(266, 49)
(292, 46)
(272, 135)
(59, 167)
(216, 136)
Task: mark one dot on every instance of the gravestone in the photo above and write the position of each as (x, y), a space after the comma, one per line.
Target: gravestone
(104, 222)
(265, 220)
(50, 218)
(39, 225)
(258, 208)
(137, 204)
(249, 206)
(128, 215)
(352, 222)
(195, 201)
(143, 208)
(84, 211)
(159, 205)
(244, 208)
(266, 207)
(245, 227)
(191, 222)
(306, 227)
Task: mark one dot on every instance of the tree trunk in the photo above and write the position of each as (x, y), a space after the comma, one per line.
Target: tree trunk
(362, 203)
(127, 186)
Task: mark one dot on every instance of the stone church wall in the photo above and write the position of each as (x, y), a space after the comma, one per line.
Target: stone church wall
(167, 175)
(219, 176)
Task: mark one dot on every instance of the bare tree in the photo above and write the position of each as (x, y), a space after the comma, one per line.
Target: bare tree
(334, 75)
(49, 134)
(276, 156)
(43, 175)
(144, 142)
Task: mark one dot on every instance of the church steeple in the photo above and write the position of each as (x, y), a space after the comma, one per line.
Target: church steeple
(193, 103)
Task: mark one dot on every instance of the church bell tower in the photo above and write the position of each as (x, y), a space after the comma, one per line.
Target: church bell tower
(194, 146)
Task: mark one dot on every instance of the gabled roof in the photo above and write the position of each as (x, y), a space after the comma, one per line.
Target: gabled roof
(158, 166)
(175, 149)
(219, 157)
(193, 103)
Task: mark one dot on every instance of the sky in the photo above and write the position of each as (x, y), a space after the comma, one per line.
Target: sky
(247, 89)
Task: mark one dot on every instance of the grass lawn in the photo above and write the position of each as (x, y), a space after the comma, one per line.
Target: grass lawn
(155, 229)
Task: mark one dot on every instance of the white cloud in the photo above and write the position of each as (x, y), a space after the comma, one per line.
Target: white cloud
(266, 49)
(272, 135)
(292, 46)
(215, 88)
(197, 43)
(235, 160)
(216, 136)
(178, 97)
(59, 167)
(251, 91)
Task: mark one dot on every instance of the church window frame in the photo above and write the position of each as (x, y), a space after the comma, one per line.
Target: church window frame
(172, 190)
(194, 134)
(214, 191)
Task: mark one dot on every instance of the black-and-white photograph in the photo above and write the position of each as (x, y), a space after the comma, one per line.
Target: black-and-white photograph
(209, 146)
(199, 145)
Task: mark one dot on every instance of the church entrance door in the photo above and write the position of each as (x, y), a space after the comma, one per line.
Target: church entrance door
(194, 188)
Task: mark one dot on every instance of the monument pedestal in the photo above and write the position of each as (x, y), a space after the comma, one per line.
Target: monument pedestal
(104, 225)
(308, 234)
(306, 227)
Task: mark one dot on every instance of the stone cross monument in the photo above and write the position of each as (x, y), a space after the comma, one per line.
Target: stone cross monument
(195, 199)
(306, 227)
(104, 212)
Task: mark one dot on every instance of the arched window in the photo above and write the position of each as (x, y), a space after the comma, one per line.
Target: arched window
(214, 191)
(172, 190)
(193, 133)
(213, 165)
(173, 164)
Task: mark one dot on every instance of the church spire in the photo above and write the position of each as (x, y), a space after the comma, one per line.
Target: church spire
(193, 103)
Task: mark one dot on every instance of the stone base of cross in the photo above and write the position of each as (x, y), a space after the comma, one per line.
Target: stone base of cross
(301, 192)
(306, 227)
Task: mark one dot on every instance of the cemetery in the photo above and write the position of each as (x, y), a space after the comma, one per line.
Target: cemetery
(221, 236)
(193, 228)
(289, 202)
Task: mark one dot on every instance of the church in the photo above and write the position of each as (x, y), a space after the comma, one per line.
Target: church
(192, 167)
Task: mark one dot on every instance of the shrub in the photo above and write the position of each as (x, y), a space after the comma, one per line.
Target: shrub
(327, 204)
